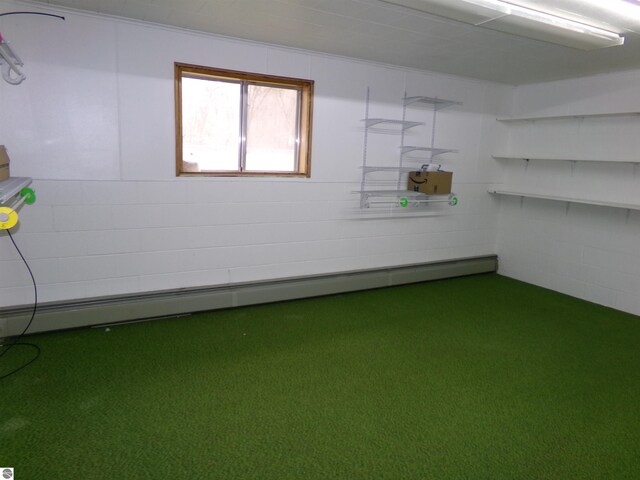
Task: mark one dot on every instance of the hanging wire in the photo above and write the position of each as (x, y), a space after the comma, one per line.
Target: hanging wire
(17, 342)
(32, 13)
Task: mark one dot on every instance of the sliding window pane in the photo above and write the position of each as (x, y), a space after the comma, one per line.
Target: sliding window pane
(272, 125)
(211, 125)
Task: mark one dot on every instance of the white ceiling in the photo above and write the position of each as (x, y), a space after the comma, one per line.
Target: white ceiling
(381, 32)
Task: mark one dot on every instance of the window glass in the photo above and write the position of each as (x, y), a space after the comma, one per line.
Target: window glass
(238, 123)
(211, 124)
(272, 140)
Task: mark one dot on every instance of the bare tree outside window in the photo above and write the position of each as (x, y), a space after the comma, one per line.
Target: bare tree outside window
(272, 137)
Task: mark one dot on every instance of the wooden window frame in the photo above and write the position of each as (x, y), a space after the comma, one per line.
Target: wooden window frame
(305, 114)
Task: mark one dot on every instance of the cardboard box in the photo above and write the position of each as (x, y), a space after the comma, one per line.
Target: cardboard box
(4, 163)
(433, 183)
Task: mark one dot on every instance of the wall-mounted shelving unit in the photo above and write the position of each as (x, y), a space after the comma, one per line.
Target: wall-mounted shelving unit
(402, 197)
(434, 104)
(568, 120)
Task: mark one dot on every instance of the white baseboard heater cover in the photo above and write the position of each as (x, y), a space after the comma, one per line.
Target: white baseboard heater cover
(126, 308)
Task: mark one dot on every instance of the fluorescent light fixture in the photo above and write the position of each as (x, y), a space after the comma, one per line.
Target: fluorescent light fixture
(517, 20)
(550, 28)
(624, 8)
(475, 12)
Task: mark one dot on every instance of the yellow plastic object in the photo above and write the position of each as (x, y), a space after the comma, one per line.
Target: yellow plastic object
(8, 218)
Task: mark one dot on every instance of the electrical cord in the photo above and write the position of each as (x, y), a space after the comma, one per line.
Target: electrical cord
(32, 13)
(24, 365)
(33, 314)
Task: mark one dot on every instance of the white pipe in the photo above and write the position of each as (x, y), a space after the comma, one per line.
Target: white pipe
(18, 203)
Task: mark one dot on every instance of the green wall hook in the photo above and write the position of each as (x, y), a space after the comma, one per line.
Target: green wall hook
(29, 194)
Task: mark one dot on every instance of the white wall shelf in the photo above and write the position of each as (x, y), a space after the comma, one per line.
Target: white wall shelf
(401, 124)
(558, 198)
(572, 157)
(11, 187)
(393, 193)
(567, 117)
(434, 151)
(557, 159)
(437, 103)
(370, 169)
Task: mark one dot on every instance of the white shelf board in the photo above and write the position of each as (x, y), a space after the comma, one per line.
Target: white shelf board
(557, 159)
(419, 201)
(567, 117)
(434, 151)
(11, 187)
(438, 103)
(368, 169)
(400, 193)
(391, 193)
(584, 201)
(403, 124)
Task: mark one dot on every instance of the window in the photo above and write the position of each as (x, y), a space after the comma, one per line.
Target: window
(236, 123)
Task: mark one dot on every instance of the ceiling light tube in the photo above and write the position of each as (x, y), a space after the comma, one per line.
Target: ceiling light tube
(620, 7)
(474, 12)
(599, 36)
(525, 22)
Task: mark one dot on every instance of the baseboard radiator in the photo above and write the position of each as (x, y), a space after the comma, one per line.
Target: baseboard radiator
(127, 308)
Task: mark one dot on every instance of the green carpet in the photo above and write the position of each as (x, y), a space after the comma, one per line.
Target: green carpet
(480, 377)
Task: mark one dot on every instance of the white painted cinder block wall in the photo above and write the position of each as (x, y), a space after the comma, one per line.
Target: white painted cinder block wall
(586, 251)
(93, 124)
